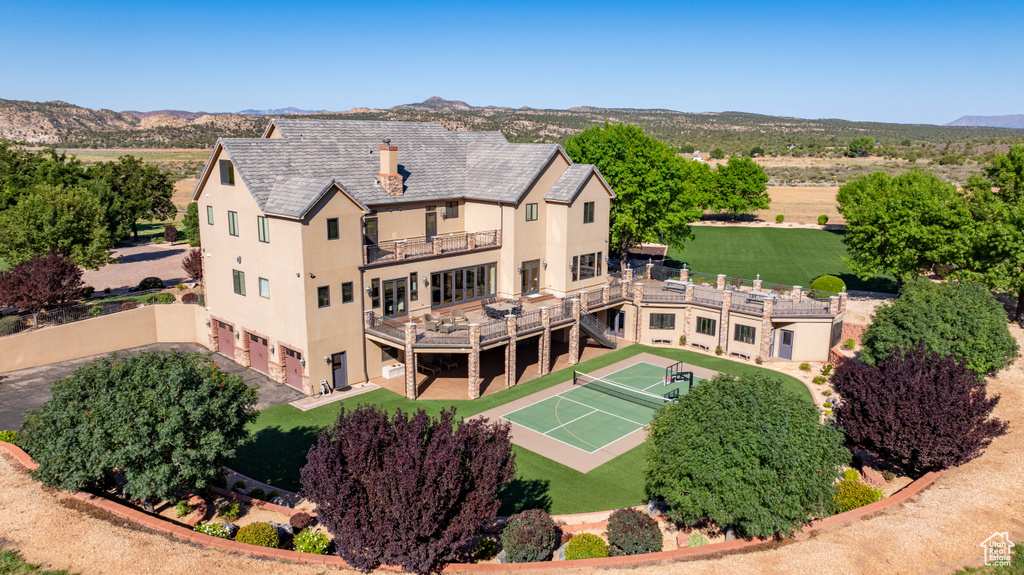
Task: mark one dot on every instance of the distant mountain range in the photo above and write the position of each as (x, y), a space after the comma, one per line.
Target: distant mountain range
(1011, 121)
(66, 125)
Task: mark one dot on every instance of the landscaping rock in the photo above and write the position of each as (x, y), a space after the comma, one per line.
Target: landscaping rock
(281, 501)
(283, 529)
(560, 552)
(654, 508)
(501, 557)
(230, 527)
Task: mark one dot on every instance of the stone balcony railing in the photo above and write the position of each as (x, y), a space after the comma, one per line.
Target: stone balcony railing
(402, 250)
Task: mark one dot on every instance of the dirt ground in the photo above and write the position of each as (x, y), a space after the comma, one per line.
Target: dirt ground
(183, 189)
(938, 531)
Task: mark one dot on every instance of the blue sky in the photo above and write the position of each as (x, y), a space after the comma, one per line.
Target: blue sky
(912, 62)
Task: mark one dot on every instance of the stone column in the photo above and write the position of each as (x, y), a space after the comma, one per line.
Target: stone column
(647, 270)
(842, 301)
(574, 333)
(214, 338)
(241, 347)
(688, 293)
(766, 329)
(474, 360)
(544, 352)
(583, 297)
(497, 237)
(276, 364)
(436, 245)
(833, 305)
(723, 332)
(627, 275)
(471, 241)
(720, 282)
(411, 386)
(757, 284)
(684, 274)
(638, 296)
(367, 320)
(510, 352)
(798, 292)
(606, 294)
(400, 250)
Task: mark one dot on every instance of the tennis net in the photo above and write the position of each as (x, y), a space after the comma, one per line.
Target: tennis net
(618, 390)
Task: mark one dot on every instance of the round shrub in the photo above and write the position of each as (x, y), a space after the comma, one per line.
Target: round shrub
(696, 540)
(260, 533)
(151, 283)
(822, 220)
(96, 311)
(211, 528)
(10, 324)
(9, 436)
(586, 546)
(272, 494)
(631, 532)
(190, 298)
(779, 218)
(529, 536)
(849, 343)
(819, 379)
(851, 494)
(257, 493)
(231, 511)
(805, 366)
(87, 291)
(301, 520)
(311, 542)
(828, 283)
(485, 549)
(851, 475)
(170, 234)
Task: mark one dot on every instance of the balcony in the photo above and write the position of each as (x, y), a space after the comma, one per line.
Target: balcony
(402, 250)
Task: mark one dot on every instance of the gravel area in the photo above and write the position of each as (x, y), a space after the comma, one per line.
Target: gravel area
(937, 531)
(136, 262)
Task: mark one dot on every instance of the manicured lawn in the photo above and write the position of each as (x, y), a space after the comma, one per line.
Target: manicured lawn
(784, 256)
(282, 435)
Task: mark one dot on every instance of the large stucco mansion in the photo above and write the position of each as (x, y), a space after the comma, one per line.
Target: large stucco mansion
(341, 251)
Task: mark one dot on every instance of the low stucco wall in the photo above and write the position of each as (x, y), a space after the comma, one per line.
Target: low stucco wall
(123, 330)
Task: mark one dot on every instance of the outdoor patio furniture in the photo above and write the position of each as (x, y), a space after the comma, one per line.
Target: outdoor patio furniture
(447, 363)
(459, 318)
(432, 323)
(426, 369)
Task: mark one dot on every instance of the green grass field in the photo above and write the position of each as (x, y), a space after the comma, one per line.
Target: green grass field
(282, 435)
(784, 256)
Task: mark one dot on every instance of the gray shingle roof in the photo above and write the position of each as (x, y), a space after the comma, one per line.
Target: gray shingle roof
(570, 183)
(287, 175)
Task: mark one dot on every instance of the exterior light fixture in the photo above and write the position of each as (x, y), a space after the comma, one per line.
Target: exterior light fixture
(302, 362)
(544, 263)
(238, 336)
(311, 276)
(238, 259)
(519, 268)
(426, 282)
(368, 290)
(327, 359)
(207, 323)
(271, 350)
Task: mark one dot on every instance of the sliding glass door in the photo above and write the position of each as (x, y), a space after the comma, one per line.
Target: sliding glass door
(463, 284)
(394, 297)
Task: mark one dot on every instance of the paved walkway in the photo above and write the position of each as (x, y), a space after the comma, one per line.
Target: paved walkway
(27, 389)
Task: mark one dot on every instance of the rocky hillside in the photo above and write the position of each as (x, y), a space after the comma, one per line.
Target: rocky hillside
(1011, 121)
(69, 126)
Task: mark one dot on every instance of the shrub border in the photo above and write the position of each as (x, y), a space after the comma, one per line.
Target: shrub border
(163, 525)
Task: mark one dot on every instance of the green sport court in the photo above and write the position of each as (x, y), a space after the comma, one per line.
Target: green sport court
(595, 414)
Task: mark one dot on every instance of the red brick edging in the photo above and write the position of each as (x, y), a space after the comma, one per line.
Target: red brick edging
(162, 525)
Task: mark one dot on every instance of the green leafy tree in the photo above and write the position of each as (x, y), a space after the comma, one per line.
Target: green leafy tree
(190, 224)
(742, 186)
(959, 319)
(862, 146)
(166, 422)
(21, 170)
(657, 192)
(70, 220)
(904, 225)
(746, 454)
(144, 190)
(717, 154)
(997, 204)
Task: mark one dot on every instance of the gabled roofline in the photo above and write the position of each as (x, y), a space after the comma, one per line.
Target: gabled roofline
(206, 171)
(593, 172)
(266, 131)
(558, 151)
(334, 183)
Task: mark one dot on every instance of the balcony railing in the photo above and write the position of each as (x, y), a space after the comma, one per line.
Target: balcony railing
(595, 298)
(389, 328)
(438, 245)
(658, 292)
(803, 307)
(561, 312)
(427, 337)
(493, 331)
(708, 296)
(756, 308)
(528, 321)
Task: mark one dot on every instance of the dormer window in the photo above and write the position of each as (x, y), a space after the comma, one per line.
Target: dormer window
(227, 173)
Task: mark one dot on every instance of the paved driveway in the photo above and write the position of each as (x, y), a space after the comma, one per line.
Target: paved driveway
(137, 262)
(29, 388)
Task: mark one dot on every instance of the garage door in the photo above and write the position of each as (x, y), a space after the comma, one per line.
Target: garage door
(259, 358)
(293, 368)
(226, 339)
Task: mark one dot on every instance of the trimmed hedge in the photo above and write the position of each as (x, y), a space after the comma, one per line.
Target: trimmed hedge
(151, 283)
(631, 532)
(260, 533)
(586, 546)
(851, 494)
(529, 537)
(828, 283)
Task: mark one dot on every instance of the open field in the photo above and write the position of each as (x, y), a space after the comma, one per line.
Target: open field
(186, 163)
(283, 434)
(802, 204)
(785, 256)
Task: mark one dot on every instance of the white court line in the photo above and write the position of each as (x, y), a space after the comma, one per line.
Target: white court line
(604, 412)
(577, 419)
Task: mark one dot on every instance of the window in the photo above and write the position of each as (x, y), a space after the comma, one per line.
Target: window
(375, 292)
(370, 231)
(332, 229)
(238, 279)
(463, 284)
(531, 212)
(388, 353)
(265, 288)
(323, 296)
(347, 295)
(233, 223)
(452, 209)
(587, 267)
(227, 173)
(663, 321)
(744, 333)
(414, 290)
(209, 215)
(588, 212)
(575, 268)
(264, 229)
(706, 325)
(599, 264)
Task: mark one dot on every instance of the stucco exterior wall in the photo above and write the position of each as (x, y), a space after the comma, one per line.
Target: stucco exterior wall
(753, 350)
(580, 238)
(810, 338)
(101, 335)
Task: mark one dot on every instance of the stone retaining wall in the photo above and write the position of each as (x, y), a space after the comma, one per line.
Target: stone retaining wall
(180, 531)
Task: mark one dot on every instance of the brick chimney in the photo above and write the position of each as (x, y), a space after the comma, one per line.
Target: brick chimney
(389, 176)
